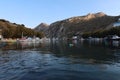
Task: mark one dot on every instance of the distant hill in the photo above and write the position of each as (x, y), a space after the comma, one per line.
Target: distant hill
(13, 30)
(80, 25)
(42, 27)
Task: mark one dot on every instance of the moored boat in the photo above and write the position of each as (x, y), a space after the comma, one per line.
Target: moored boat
(112, 37)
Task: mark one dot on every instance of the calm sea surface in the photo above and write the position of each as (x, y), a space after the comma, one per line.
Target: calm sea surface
(60, 60)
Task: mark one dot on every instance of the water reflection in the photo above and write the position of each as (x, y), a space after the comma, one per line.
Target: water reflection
(90, 51)
(81, 59)
(18, 45)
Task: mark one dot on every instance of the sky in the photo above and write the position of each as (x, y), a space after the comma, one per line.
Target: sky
(33, 12)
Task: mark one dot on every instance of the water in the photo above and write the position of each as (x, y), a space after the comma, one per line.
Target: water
(60, 60)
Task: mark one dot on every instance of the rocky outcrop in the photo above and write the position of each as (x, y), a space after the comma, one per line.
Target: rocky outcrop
(80, 24)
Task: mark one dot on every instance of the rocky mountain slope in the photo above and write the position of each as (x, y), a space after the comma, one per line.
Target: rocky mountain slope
(81, 24)
(42, 27)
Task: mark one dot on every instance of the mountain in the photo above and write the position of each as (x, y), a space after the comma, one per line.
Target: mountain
(43, 27)
(13, 30)
(81, 24)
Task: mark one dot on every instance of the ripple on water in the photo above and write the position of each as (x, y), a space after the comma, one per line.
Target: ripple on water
(63, 63)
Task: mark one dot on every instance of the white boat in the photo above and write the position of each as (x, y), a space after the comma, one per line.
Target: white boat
(113, 37)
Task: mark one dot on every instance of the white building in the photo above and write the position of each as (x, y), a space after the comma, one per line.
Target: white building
(1, 34)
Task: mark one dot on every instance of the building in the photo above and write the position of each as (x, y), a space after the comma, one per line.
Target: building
(1, 34)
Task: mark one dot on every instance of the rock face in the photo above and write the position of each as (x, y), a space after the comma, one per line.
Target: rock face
(80, 24)
(43, 27)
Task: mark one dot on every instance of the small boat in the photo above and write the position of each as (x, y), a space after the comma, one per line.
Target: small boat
(23, 39)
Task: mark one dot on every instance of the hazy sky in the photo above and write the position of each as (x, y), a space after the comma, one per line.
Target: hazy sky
(33, 12)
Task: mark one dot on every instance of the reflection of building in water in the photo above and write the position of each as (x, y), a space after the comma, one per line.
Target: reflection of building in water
(115, 43)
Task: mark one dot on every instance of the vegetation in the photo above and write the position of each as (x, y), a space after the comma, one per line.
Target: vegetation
(13, 30)
(103, 33)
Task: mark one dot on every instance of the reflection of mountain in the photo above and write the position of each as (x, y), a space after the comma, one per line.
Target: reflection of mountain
(92, 52)
(28, 45)
(112, 44)
(18, 45)
(8, 45)
(2, 44)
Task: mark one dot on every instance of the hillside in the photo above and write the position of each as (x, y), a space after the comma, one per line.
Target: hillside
(80, 25)
(13, 30)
